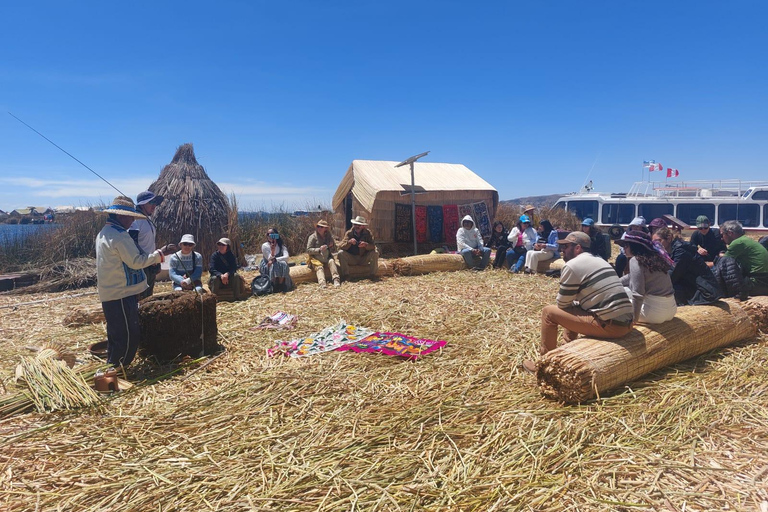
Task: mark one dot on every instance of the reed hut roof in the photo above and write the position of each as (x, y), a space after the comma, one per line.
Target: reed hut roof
(366, 178)
(193, 203)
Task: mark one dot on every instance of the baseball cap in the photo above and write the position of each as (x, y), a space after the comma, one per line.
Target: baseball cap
(577, 237)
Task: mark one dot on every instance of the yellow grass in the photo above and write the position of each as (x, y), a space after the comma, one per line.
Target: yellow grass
(462, 429)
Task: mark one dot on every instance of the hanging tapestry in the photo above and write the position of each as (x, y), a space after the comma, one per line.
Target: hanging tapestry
(482, 219)
(421, 224)
(435, 221)
(450, 222)
(329, 338)
(403, 223)
(466, 209)
(395, 344)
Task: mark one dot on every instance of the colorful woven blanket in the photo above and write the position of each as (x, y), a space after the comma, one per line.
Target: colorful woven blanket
(403, 223)
(450, 222)
(395, 344)
(435, 221)
(421, 224)
(466, 209)
(328, 339)
(482, 219)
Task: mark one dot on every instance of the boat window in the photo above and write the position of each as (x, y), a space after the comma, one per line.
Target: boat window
(765, 216)
(654, 211)
(688, 212)
(618, 213)
(760, 195)
(747, 214)
(583, 209)
(560, 205)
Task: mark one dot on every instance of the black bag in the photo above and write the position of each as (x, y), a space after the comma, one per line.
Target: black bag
(261, 285)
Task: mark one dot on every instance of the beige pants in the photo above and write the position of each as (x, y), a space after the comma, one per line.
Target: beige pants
(575, 321)
(320, 270)
(347, 260)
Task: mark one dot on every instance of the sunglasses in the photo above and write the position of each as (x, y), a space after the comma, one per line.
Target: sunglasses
(186, 244)
(220, 244)
(704, 227)
(273, 236)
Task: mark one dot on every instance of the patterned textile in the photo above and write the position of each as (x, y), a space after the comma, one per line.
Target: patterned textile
(466, 209)
(482, 219)
(450, 222)
(435, 222)
(403, 223)
(421, 224)
(394, 344)
(280, 320)
(328, 339)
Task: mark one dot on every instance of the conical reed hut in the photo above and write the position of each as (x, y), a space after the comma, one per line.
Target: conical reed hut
(193, 204)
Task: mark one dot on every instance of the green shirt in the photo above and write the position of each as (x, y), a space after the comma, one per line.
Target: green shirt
(752, 256)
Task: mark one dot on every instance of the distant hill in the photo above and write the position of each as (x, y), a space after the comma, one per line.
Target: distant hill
(537, 201)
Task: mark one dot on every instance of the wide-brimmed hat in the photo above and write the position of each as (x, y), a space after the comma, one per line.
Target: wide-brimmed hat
(702, 221)
(122, 205)
(577, 237)
(637, 237)
(225, 241)
(529, 208)
(322, 224)
(187, 239)
(147, 197)
(360, 221)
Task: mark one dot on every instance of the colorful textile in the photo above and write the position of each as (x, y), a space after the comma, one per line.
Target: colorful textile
(280, 320)
(421, 224)
(435, 222)
(395, 344)
(328, 339)
(466, 209)
(403, 223)
(482, 219)
(450, 222)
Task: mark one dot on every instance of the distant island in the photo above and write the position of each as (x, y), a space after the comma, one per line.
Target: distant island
(537, 201)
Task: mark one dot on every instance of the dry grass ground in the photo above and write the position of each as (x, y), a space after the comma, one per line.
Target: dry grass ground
(462, 429)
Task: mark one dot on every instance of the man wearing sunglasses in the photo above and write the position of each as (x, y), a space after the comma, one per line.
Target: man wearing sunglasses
(707, 241)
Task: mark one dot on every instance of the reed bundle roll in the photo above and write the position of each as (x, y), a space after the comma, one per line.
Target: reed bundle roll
(581, 370)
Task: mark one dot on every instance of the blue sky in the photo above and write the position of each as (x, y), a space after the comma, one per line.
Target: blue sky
(279, 97)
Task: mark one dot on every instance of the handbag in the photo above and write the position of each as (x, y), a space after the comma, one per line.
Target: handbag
(261, 285)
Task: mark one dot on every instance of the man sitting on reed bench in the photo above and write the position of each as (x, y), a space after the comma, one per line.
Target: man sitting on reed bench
(357, 249)
(591, 299)
(469, 243)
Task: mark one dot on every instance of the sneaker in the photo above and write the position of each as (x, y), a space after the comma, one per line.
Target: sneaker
(529, 366)
(336, 283)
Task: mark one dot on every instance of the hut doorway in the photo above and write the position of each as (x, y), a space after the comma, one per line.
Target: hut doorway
(348, 211)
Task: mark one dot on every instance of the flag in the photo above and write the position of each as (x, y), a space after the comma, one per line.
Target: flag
(672, 173)
(655, 167)
(647, 163)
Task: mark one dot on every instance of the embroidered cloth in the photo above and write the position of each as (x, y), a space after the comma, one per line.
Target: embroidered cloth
(435, 221)
(328, 339)
(403, 223)
(394, 344)
(421, 224)
(450, 222)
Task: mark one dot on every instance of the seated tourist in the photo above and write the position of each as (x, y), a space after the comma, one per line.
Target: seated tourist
(591, 299)
(357, 249)
(499, 243)
(274, 262)
(749, 254)
(521, 240)
(648, 283)
(320, 248)
(598, 247)
(545, 248)
(469, 243)
(692, 279)
(637, 224)
(186, 266)
(222, 268)
(707, 240)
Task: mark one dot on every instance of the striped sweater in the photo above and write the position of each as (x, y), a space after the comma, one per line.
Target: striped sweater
(593, 284)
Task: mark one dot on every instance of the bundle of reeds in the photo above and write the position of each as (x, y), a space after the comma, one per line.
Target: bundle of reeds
(69, 274)
(193, 204)
(585, 368)
(84, 315)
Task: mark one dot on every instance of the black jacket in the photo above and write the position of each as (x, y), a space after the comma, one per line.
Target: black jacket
(691, 276)
(498, 240)
(712, 242)
(222, 263)
(729, 277)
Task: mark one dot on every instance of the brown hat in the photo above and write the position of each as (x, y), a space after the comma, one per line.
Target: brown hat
(322, 224)
(577, 237)
(360, 221)
(122, 205)
(528, 208)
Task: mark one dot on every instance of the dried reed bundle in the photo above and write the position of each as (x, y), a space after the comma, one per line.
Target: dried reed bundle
(586, 367)
(65, 275)
(193, 204)
(84, 315)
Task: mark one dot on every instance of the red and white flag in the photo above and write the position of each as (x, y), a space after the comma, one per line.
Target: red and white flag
(672, 173)
(656, 167)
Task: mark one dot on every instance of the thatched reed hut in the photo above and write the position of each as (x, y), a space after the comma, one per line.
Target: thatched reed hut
(376, 189)
(193, 204)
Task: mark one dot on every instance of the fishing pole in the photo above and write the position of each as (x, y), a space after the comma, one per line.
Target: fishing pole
(67, 153)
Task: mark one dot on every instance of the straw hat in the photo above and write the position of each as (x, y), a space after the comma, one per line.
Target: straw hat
(322, 224)
(187, 239)
(529, 208)
(122, 205)
(360, 221)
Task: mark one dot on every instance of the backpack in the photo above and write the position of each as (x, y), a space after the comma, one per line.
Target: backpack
(261, 285)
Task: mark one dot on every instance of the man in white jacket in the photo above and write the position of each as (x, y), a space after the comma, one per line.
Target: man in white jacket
(469, 243)
(120, 279)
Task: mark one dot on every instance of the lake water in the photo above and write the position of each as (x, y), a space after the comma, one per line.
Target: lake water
(11, 233)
